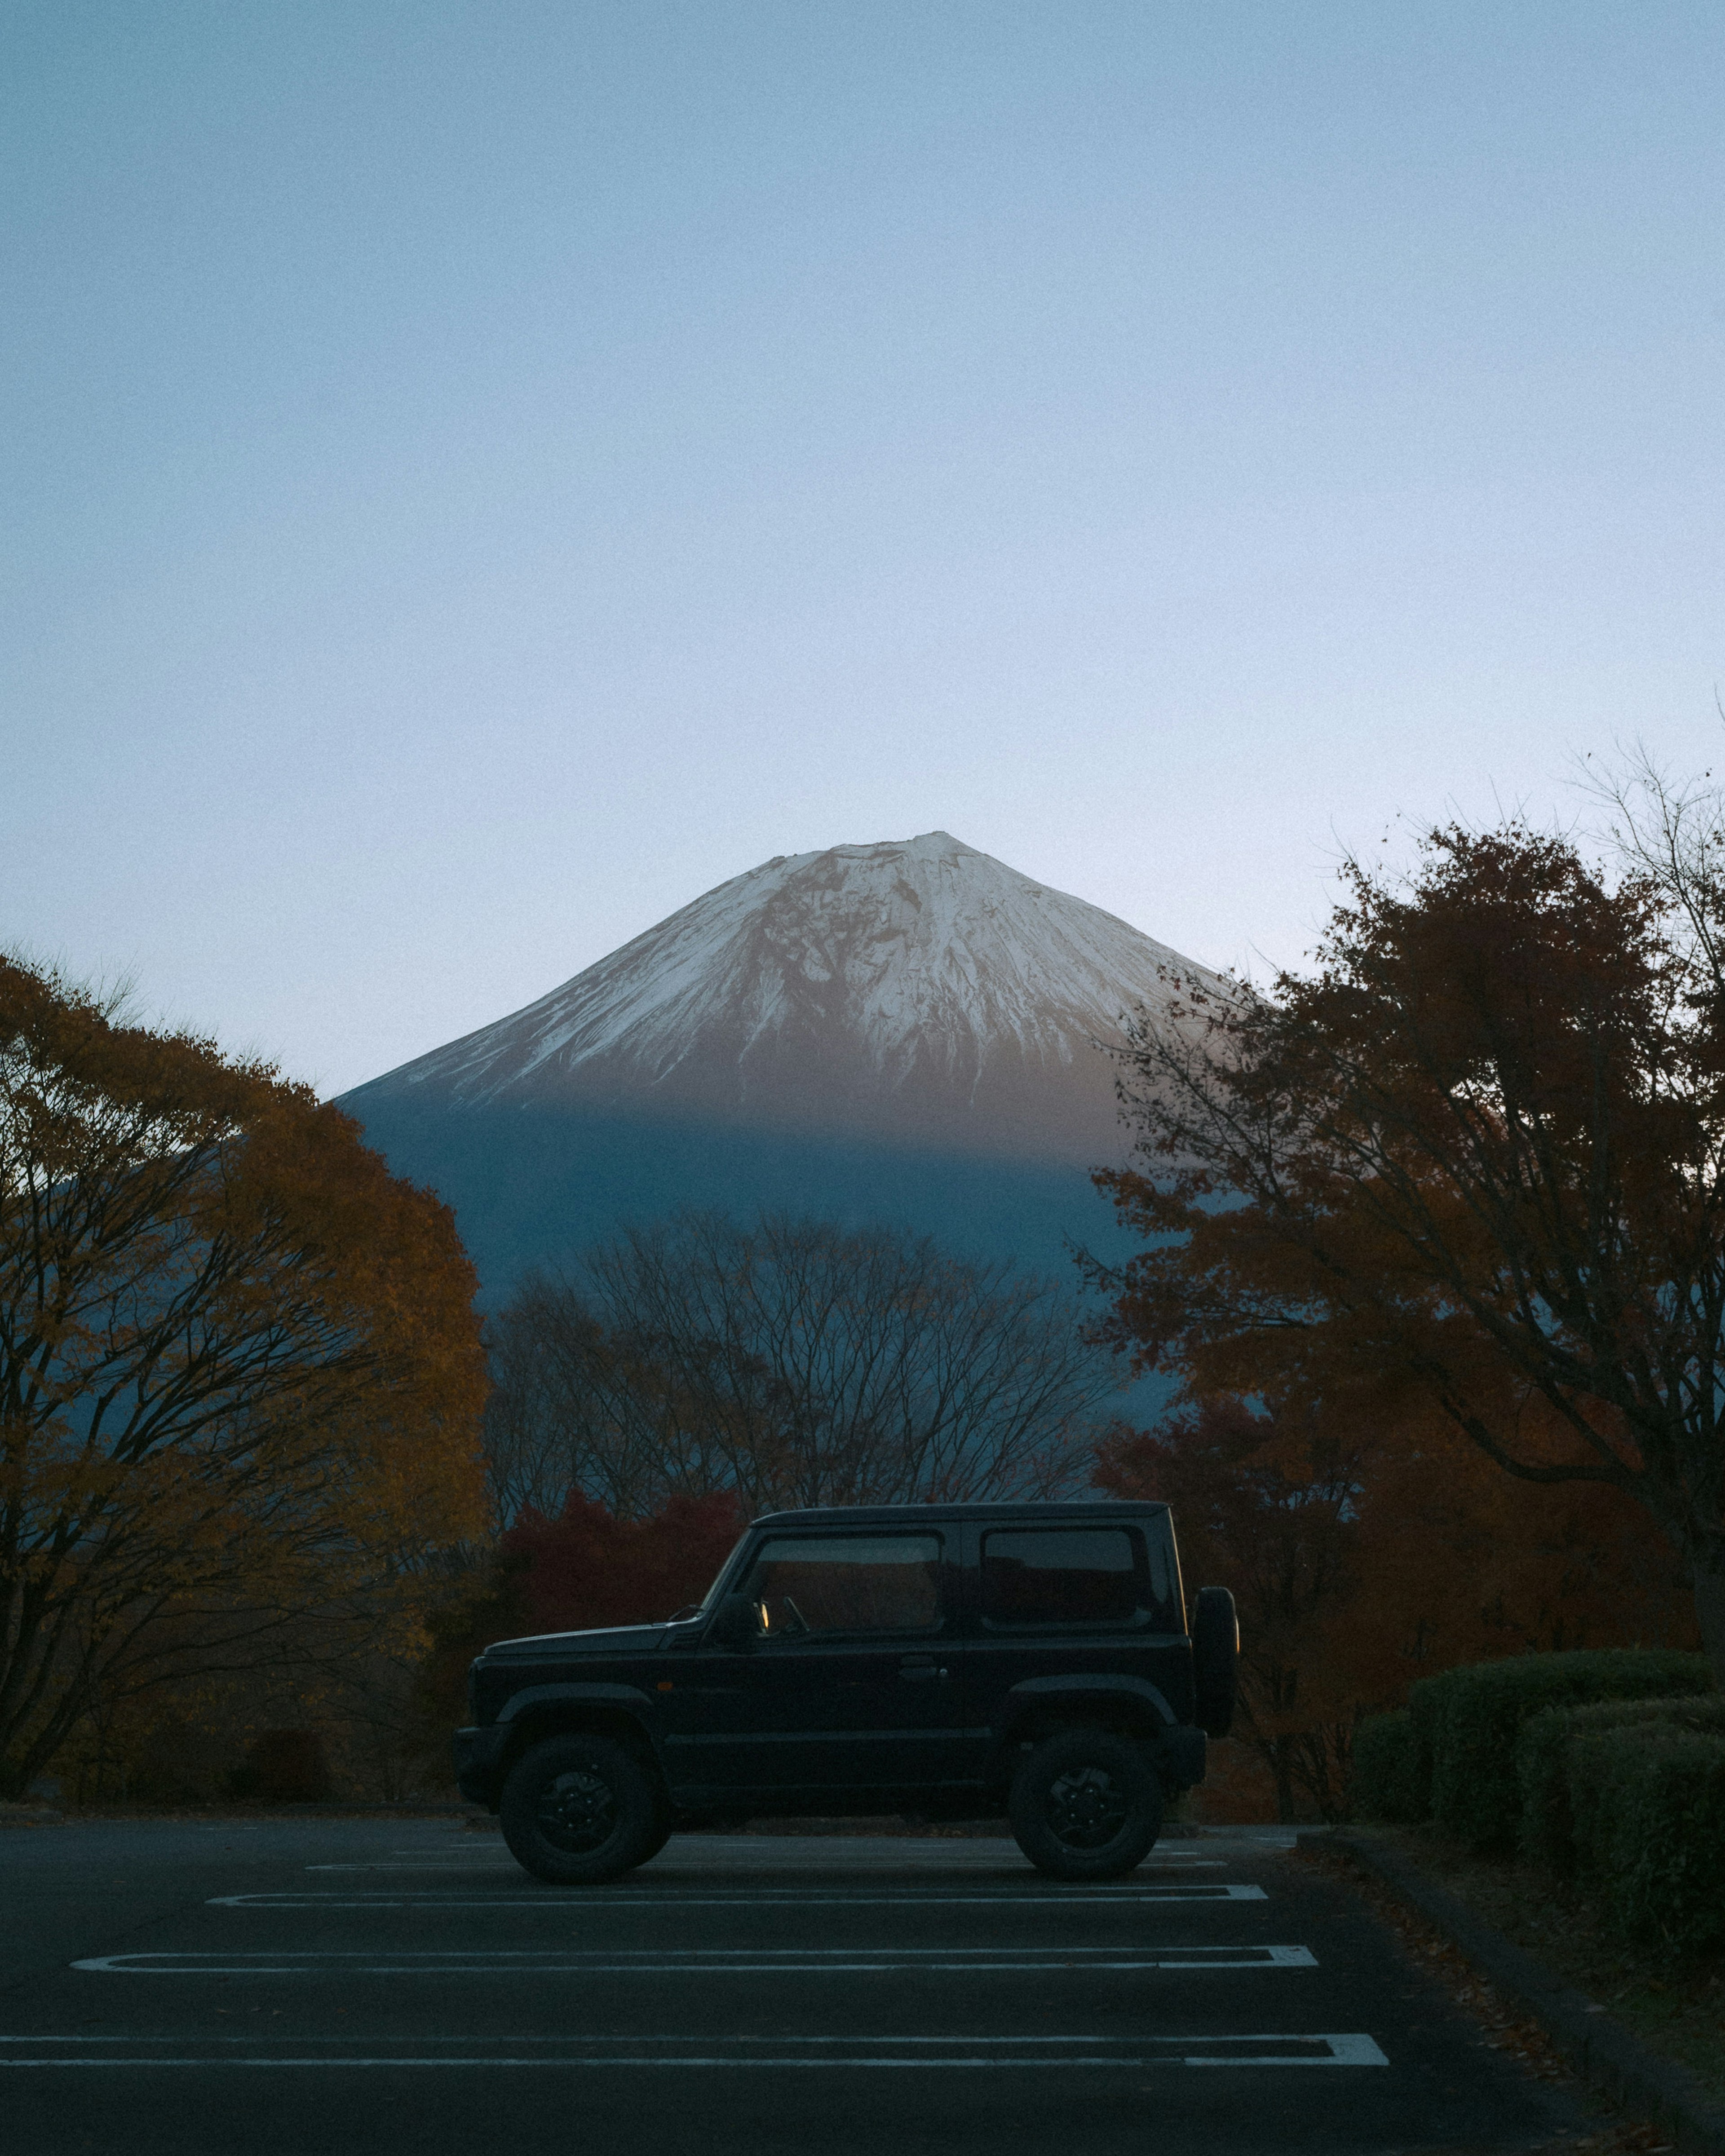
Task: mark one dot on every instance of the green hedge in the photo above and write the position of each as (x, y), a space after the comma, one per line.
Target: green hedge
(1649, 1807)
(1471, 1719)
(1546, 1833)
(1424, 1704)
(1392, 1770)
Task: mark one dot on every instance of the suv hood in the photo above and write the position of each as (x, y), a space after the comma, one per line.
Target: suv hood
(609, 1640)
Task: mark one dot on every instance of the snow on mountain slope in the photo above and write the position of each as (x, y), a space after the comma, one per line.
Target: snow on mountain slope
(917, 991)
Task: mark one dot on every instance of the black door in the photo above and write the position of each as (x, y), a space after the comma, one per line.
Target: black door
(853, 1682)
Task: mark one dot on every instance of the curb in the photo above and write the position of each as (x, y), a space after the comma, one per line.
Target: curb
(1600, 2050)
(259, 1813)
(30, 1816)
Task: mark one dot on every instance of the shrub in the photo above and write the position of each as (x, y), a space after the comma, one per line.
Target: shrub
(1426, 1702)
(1476, 1714)
(1546, 1833)
(1649, 1809)
(1392, 1770)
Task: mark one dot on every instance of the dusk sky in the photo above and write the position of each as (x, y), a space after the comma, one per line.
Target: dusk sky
(477, 476)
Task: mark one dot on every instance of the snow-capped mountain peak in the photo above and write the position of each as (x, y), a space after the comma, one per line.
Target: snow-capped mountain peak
(916, 988)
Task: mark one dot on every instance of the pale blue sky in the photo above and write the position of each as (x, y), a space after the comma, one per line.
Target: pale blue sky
(475, 476)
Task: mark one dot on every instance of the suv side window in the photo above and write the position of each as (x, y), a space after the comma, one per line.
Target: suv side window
(1072, 1580)
(832, 1584)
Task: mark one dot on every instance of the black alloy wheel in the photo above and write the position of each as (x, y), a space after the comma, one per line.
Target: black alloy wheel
(1085, 1804)
(578, 1810)
(1086, 1809)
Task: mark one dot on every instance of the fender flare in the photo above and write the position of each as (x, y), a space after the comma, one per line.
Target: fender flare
(1104, 1685)
(626, 1698)
(614, 1695)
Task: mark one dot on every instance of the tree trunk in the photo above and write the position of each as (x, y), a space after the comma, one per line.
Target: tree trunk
(1710, 1610)
(1281, 1762)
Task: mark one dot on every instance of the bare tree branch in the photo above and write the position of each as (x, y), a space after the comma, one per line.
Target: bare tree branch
(793, 1362)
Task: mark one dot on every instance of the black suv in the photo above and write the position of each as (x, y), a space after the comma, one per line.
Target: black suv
(954, 1662)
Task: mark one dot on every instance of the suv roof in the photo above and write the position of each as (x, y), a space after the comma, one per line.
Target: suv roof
(887, 1515)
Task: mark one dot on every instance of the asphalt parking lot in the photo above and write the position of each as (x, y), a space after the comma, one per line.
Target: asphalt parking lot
(400, 1985)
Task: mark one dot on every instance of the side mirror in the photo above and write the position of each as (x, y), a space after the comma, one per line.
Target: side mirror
(735, 1623)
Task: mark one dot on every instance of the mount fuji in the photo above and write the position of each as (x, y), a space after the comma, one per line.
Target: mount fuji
(911, 1031)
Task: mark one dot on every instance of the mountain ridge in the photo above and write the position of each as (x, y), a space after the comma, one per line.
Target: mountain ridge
(918, 993)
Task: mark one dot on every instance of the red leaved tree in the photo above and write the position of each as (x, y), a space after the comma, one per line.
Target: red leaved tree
(584, 1568)
(1365, 1553)
(587, 1567)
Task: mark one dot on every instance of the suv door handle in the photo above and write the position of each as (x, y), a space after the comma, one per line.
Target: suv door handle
(919, 1670)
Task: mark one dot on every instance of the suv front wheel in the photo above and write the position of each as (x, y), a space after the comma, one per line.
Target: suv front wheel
(579, 1810)
(1085, 1804)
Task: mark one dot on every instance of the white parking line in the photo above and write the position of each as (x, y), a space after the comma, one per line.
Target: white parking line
(646, 1961)
(504, 1862)
(1349, 2050)
(600, 1897)
(842, 2054)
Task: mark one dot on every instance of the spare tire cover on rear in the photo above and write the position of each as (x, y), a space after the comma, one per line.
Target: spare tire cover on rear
(1215, 1660)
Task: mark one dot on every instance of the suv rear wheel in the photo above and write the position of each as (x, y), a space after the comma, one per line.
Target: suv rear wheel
(1085, 1804)
(578, 1810)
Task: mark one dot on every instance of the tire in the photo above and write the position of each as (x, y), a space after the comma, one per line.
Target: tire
(1215, 1660)
(579, 1810)
(1085, 1804)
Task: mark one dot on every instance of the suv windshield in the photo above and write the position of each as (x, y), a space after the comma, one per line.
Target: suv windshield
(710, 1600)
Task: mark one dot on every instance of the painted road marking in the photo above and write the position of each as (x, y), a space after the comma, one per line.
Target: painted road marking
(647, 1961)
(499, 1863)
(504, 1862)
(599, 1898)
(486, 1860)
(839, 2053)
(1357, 2050)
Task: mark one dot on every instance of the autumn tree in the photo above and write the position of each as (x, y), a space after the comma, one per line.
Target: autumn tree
(1273, 1522)
(587, 1567)
(791, 1362)
(1475, 1158)
(1368, 1543)
(240, 1374)
(578, 1570)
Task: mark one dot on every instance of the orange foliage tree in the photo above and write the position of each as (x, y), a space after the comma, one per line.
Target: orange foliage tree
(241, 1377)
(1469, 1174)
(1364, 1552)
